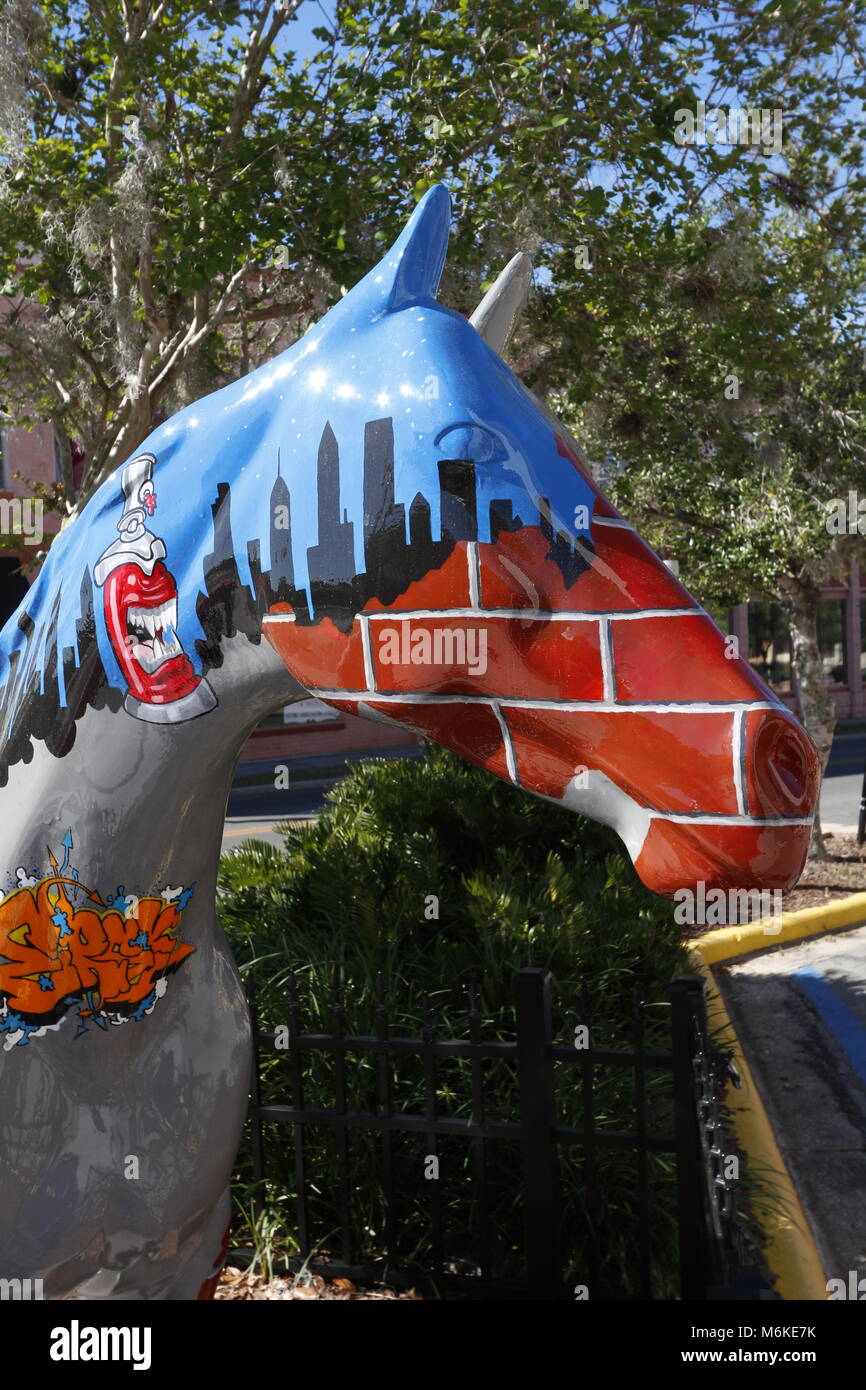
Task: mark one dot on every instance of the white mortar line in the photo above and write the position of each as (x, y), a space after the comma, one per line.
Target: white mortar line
(474, 574)
(737, 742)
(607, 668)
(369, 674)
(411, 697)
(510, 760)
(586, 615)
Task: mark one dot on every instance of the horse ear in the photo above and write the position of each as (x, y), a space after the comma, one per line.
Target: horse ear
(497, 314)
(409, 273)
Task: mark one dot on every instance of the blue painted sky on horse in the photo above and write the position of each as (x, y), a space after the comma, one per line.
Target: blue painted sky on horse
(387, 349)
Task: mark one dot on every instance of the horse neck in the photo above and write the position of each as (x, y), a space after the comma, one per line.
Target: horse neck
(144, 804)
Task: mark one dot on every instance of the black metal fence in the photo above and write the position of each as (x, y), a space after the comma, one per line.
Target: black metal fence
(710, 1237)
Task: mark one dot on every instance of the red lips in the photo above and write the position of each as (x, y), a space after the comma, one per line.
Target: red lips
(140, 611)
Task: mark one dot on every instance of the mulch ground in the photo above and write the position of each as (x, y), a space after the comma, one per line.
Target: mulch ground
(239, 1283)
(837, 877)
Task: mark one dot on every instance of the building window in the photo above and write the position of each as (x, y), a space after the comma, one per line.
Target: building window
(4, 469)
(832, 640)
(58, 460)
(770, 644)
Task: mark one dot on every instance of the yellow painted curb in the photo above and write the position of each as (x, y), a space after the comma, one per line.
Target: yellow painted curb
(790, 1247)
(791, 1251)
(728, 942)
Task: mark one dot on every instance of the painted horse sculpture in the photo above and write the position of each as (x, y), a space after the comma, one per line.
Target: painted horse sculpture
(418, 542)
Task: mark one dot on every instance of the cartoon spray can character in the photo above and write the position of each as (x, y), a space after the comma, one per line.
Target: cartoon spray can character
(140, 606)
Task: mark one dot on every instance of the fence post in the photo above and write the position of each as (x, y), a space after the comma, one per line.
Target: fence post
(689, 1027)
(537, 1121)
(257, 1138)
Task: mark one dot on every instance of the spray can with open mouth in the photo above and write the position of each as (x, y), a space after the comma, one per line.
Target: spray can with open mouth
(140, 607)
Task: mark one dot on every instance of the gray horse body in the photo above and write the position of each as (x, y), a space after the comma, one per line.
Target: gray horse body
(97, 1197)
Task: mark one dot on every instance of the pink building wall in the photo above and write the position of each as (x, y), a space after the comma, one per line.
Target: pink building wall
(29, 452)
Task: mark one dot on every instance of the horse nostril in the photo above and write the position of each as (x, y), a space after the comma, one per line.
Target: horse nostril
(783, 769)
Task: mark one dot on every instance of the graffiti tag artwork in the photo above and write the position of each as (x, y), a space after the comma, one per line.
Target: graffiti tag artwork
(64, 948)
(141, 611)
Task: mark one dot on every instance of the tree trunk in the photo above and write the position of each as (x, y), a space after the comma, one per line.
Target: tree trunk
(818, 708)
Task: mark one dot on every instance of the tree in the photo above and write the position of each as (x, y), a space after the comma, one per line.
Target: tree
(732, 415)
(157, 156)
(180, 195)
(712, 352)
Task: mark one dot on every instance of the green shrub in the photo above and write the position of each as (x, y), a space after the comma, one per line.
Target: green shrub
(515, 881)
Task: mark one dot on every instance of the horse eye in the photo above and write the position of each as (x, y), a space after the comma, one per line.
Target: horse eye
(475, 443)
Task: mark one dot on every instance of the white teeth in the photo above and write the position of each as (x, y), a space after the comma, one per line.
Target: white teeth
(151, 650)
(152, 620)
(151, 655)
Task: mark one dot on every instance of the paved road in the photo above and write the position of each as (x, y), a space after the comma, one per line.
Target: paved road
(800, 1013)
(257, 803)
(840, 793)
(254, 811)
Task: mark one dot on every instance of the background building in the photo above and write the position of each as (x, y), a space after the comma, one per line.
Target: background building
(763, 633)
(35, 454)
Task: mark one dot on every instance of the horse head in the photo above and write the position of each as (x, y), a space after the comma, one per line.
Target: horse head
(499, 604)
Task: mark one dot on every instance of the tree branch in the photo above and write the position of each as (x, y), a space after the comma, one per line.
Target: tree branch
(258, 48)
(198, 331)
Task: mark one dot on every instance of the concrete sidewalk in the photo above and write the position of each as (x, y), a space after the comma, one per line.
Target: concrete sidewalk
(800, 1014)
